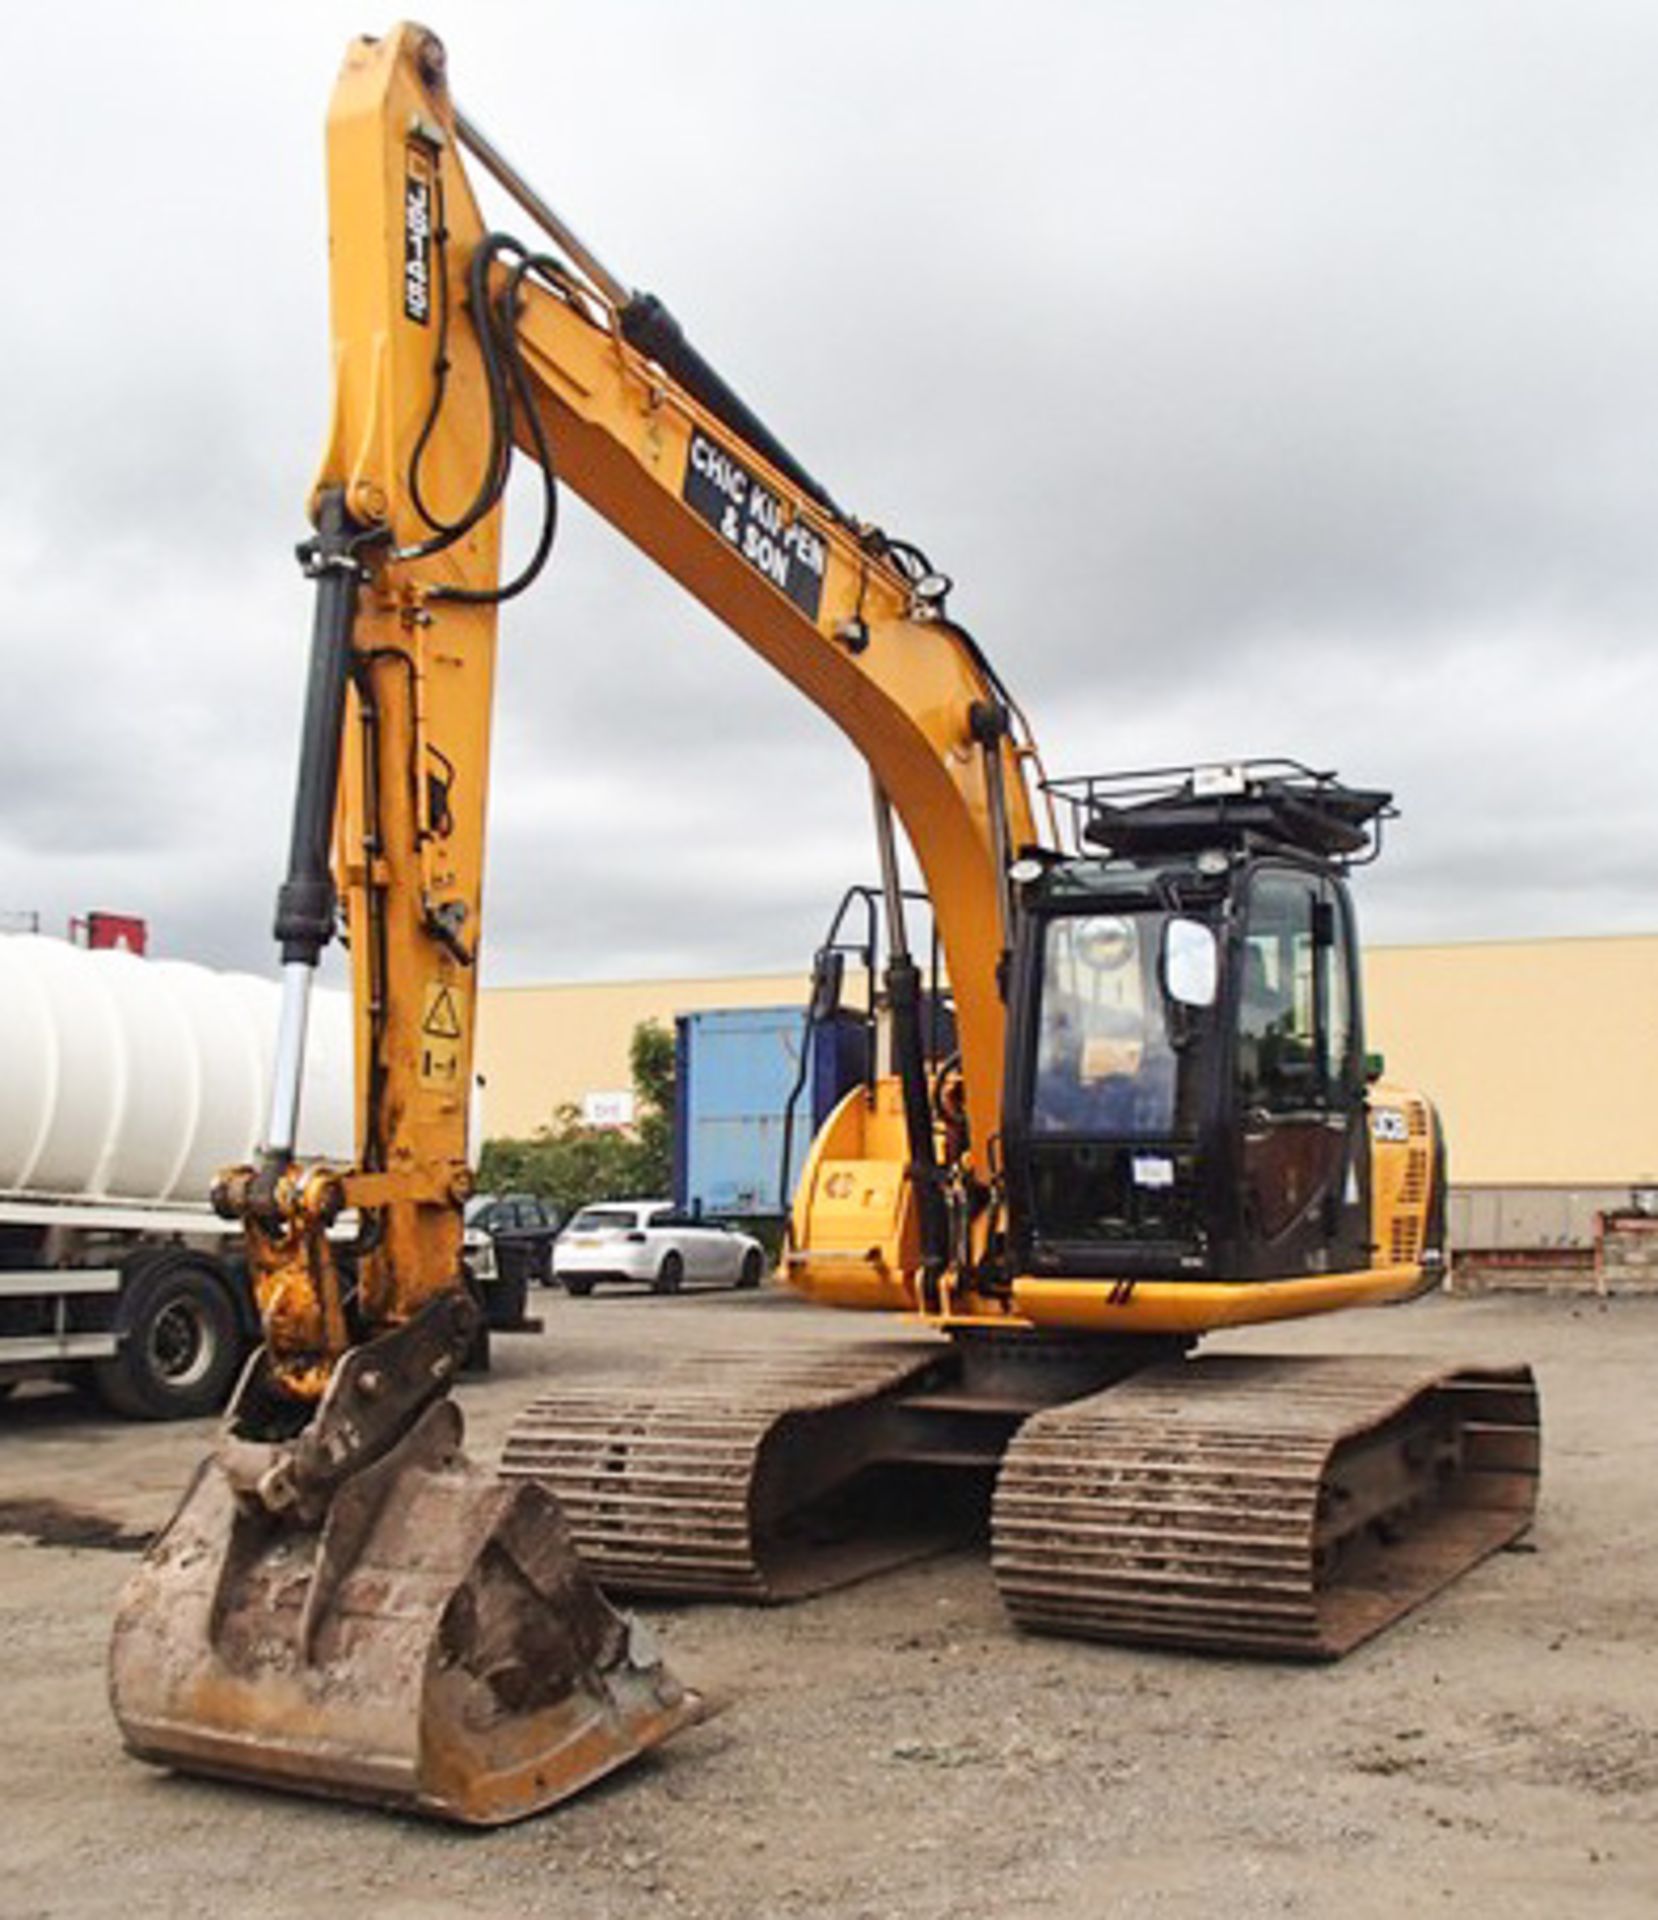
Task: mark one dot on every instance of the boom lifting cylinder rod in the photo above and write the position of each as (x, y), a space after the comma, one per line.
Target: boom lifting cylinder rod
(903, 982)
(989, 725)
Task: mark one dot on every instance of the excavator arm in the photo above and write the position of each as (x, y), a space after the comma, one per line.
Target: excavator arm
(452, 342)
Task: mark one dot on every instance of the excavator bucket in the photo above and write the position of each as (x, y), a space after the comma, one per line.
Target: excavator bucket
(434, 1646)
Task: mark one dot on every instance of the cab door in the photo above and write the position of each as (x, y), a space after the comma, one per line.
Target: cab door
(1297, 1082)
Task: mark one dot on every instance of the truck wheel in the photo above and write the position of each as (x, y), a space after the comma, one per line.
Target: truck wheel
(754, 1267)
(578, 1285)
(670, 1275)
(182, 1348)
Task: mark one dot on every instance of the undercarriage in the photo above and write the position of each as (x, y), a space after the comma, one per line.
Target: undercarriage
(1234, 1503)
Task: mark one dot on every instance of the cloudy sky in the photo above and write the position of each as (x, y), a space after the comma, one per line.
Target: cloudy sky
(1272, 375)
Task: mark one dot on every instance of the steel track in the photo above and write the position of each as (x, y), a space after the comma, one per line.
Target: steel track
(1278, 1506)
(712, 1480)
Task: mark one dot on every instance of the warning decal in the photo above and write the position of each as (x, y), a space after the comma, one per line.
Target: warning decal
(440, 1036)
(787, 549)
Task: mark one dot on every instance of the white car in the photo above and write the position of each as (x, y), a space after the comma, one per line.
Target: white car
(648, 1242)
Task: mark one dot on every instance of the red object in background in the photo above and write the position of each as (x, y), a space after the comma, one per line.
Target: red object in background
(125, 930)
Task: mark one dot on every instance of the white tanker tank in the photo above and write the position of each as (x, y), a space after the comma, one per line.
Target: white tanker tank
(137, 1080)
(128, 1083)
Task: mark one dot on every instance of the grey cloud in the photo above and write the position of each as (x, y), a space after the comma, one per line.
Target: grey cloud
(1273, 379)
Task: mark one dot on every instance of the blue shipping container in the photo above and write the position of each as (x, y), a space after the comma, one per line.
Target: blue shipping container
(734, 1071)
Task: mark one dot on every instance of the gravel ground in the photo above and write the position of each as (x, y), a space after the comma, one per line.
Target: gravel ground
(896, 1750)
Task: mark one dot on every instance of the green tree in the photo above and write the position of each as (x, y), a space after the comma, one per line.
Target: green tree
(651, 1061)
(575, 1165)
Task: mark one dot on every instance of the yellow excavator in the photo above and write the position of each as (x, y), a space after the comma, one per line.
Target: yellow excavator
(1156, 1118)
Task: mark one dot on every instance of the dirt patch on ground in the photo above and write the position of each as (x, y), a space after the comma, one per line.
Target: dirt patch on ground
(49, 1523)
(1597, 1750)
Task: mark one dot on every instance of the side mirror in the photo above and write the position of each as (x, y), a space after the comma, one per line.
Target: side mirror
(1191, 963)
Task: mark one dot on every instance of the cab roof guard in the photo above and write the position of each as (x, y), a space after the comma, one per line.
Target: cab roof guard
(1233, 805)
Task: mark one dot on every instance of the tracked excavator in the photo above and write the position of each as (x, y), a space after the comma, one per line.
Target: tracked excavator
(1157, 1120)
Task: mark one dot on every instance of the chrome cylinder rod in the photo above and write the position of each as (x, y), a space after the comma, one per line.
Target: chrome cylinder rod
(995, 791)
(496, 164)
(892, 886)
(288, 1076)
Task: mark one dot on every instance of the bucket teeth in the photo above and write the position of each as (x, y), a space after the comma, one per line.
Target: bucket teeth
(435, 1646)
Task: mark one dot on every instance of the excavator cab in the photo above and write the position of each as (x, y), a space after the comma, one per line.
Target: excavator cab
(1186, 1090)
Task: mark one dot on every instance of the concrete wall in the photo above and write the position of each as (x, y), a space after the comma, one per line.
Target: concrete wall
(1497, 1218)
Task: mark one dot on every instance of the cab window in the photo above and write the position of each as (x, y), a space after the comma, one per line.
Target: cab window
(1278, 1063)
(1295, 1000)
(1104, 1064)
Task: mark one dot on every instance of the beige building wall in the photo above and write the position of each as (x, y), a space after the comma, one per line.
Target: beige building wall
(539, 1047)
(1542, 1054)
